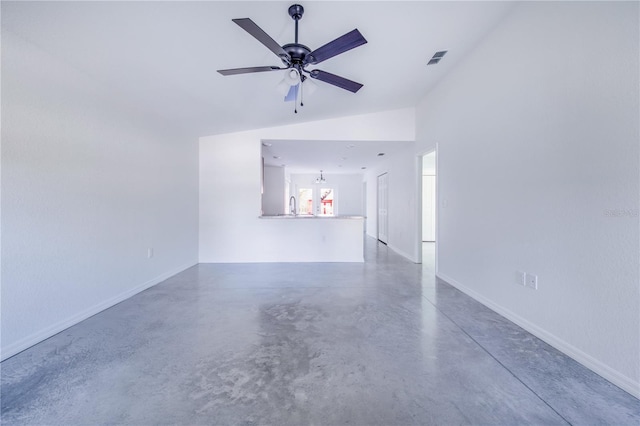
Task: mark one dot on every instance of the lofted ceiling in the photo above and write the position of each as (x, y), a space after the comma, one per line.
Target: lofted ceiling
(162, 56)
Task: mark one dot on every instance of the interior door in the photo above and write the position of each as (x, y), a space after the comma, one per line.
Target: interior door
(383, 202)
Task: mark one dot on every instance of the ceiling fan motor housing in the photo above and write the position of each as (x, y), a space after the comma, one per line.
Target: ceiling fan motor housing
(297, 52)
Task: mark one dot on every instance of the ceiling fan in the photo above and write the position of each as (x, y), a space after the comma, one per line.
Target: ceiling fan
(297, 57)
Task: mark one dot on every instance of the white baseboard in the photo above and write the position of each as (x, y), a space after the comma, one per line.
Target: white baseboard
(598, 367)
(395, 249)
(56, 328)
(402, 253)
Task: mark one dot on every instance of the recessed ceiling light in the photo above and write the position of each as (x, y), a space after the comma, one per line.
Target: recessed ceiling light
(276, 157)
(380, 154)
(266, 144)
(363, 168)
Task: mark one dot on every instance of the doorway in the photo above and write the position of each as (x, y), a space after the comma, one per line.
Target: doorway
(383, 201)
(428, 195)
(429, 198)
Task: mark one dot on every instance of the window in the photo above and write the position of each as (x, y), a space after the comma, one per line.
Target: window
(326, 201)
(305, 201)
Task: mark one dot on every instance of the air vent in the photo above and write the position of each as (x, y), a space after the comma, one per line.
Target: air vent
(436, 57)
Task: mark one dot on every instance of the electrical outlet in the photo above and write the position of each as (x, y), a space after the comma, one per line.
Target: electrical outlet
(149, 253)
(520, 278)
(531, 281)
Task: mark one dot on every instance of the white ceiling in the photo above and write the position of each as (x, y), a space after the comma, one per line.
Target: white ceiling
(329, 156)
(163, 56)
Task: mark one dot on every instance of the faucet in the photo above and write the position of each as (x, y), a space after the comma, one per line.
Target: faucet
(293, 209)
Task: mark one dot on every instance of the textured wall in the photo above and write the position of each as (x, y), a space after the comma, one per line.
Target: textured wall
(538, 157)
(88, 186)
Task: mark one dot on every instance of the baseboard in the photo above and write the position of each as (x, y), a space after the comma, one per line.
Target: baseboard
(396, 249)
(401, 253)
(54, 329)
(598, 367)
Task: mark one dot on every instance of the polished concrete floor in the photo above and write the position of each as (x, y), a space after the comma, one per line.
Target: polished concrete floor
(379, 343)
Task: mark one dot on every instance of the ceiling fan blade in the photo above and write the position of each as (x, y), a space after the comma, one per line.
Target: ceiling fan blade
(249, 26)
(336, 80)
(235, 71)
(340, 45)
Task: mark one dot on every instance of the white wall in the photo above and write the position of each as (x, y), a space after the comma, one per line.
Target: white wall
(230, 169)
(347, 189)
(88, 185)
(403, 174)
(273, 201)
(538, 166)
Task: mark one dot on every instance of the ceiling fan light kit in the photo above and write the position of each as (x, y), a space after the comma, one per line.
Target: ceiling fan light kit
(292, 77)
(297, 57)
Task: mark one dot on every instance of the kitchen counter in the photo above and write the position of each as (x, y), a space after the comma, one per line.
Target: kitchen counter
(307, 216)
(307, 238)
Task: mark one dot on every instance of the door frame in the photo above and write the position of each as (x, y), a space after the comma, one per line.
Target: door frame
(386, 216)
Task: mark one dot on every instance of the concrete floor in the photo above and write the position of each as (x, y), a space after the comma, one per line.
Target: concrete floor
(379, 343)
